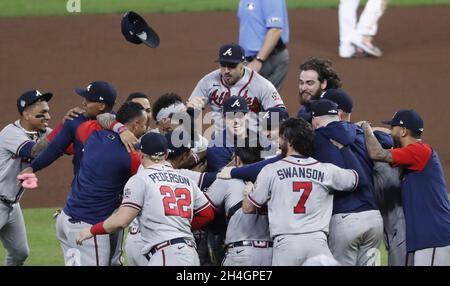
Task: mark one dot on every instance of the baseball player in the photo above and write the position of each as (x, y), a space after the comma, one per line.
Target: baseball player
(134, 243)
(356, 226)
(17, 142)
(233, 78)
(299, 193)
(167, 202)
(357, 34)
(316, 76)
(247, 236)
(97, 188)
(423, 187)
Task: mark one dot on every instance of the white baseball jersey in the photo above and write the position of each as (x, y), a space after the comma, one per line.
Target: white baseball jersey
(299, 193)
(259, 93)
(167, 200)
(13, 137)
(241, 226)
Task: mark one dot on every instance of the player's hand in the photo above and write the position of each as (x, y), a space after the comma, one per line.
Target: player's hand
(28, 180)
(225, 173)
(255, 65)
(73, 113)
(337, 144)
(128, 139)
(196, 102)
(83, 235)
(248, 188)
(201, 167)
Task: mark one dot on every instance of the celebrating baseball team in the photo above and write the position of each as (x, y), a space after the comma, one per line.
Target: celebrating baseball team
(258, 187)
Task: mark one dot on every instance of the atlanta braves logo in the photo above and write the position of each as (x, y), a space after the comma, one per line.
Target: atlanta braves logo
(236, 103)
(38, 93)
(228, 52)
(89, 87)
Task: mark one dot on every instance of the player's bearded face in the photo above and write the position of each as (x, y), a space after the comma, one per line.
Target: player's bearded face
(231, 73)
(309, 86)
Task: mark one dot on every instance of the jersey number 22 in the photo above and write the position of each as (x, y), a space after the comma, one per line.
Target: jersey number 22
(176, 203)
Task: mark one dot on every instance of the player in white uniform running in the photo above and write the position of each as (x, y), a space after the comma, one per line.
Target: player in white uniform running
(167, 202)
(247, 237)
(17, 142)
(299, 193)
(233, 78)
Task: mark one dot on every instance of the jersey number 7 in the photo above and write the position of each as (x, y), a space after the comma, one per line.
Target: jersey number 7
(176, 203)
(307, 188)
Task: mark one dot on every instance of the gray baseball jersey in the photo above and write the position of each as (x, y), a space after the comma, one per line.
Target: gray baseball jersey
(248, 228)
(13, 137)
(167, 200)
(259, 93)
(228, 193)
(134, 243)
(299, 193)
(12, 226)
(387, 190)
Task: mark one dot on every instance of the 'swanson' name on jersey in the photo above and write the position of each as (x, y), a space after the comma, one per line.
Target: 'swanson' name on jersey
(169, 177)
(300, 172)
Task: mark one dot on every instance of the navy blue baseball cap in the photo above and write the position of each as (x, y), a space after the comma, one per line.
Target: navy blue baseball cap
(341, 98)
(99, 91)
(231, 53)
(323, 107)
(31, 97)
(137, 31)
(175, 152)
(407, 118)
(270, 112)
(153, 144)
(235, 104)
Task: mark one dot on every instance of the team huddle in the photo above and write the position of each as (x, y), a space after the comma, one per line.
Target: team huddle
(262, 189)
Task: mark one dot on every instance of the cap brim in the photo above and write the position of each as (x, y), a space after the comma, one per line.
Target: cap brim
(47, 96)
(149, 37)
(81, 91)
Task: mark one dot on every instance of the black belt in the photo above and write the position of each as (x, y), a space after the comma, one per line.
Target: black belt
(278, 48)
(253, 243)
(6, 201)
(169, 242)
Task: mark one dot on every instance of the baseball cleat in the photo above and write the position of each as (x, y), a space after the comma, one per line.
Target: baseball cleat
(369, 48)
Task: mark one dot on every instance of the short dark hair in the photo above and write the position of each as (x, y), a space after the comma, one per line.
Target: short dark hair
(249, 155)
(164, 101)
(137, 95)
(129, 111)
(325, 71)
(415, 134)
(299, 133)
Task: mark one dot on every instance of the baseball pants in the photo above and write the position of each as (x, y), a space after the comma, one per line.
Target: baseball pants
(395, 236)
(352, 30)
(295, 249)
(275, 68)
(437, 256)
(354, 238)
(93, 252)
(248, 256)
(133, 248)
(175, 255)
(13, 234)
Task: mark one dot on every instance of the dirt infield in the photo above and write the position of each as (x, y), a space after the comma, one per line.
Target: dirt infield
(60, 53)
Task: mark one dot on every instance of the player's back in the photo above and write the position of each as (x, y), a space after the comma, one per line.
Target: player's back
(171, 199)
(104, 170)
(301, 193)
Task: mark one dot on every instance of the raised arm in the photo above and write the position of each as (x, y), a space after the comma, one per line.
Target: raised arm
(374, 148)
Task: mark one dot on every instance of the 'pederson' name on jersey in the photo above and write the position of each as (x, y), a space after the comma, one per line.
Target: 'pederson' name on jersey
(169, 177)
(300, 172)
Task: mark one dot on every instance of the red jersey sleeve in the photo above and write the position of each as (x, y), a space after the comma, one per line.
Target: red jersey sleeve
(51, 135)
(413, 157)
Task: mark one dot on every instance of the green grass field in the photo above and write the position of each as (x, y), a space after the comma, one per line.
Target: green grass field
(15, 8)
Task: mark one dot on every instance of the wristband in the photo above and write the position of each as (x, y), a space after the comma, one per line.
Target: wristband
(98, 229)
